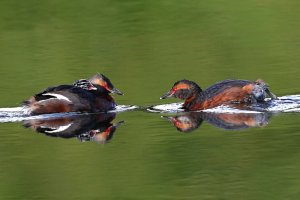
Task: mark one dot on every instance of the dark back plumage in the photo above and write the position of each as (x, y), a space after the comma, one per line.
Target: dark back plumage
(84, 84)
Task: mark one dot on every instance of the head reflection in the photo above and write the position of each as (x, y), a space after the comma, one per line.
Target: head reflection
(187, 122)
(89, 127)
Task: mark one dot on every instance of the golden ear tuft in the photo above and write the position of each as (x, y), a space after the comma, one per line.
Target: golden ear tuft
(182, 86)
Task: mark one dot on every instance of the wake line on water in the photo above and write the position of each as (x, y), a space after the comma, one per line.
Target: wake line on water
(15, 109)
(18, 114)
(286, 104)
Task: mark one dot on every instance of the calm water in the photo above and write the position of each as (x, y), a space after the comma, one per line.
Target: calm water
(145, 46)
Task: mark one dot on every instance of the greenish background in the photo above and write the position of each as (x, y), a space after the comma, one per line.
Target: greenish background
(144, 46)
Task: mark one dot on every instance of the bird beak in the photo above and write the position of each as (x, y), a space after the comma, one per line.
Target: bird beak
(273, 96)
(168, 118)
(119, 124)
(167, 95)
(116, 91)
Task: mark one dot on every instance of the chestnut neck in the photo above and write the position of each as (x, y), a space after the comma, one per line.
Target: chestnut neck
(196, 91)
(189, 101)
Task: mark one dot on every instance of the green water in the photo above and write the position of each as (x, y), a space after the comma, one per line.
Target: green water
(144, 46)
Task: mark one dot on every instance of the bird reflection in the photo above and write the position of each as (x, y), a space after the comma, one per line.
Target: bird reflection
(89, 127)
(187, 122)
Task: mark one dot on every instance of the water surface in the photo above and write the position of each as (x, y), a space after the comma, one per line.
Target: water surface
(144, 47)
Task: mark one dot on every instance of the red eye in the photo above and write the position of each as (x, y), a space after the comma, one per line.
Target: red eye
(105, 86)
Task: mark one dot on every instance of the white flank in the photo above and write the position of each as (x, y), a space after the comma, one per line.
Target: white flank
(58, 96)
(60, 129)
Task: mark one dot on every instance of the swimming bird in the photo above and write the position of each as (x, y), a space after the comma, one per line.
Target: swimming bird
(225, 92)
(83, 96)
